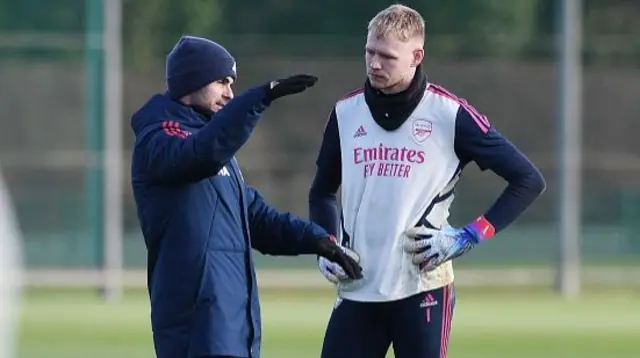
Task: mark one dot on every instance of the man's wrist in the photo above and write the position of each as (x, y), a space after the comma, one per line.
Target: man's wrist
(481, 229)
(325, 244)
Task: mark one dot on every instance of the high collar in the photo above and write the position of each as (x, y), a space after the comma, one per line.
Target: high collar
(205, 113)
(390, 111)
(160, 108)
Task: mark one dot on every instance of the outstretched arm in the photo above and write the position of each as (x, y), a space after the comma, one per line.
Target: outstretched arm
(169, 156)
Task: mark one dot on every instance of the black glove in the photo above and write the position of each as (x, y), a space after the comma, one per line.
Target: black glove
(328, 249)
(290, 85)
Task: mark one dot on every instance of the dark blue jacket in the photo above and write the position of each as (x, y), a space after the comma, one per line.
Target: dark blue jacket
(200, 220)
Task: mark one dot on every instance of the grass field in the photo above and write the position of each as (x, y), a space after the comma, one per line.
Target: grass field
(516, 322)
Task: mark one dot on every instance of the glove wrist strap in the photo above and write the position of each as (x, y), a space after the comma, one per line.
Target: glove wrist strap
(481, 229)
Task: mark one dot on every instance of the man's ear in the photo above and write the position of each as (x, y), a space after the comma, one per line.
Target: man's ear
(418, 56)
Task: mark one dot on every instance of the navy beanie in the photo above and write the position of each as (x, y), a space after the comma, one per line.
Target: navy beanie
(194, 62)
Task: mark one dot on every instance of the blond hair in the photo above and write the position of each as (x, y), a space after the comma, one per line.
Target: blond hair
(399, 21)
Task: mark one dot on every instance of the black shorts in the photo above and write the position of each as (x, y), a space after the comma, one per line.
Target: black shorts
(416, 327)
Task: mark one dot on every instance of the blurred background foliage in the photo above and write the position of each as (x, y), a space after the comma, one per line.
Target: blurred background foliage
(486, 28)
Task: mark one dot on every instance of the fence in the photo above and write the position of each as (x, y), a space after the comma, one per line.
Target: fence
(47, 138)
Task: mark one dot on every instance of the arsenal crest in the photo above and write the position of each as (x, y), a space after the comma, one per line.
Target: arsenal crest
(421, 130)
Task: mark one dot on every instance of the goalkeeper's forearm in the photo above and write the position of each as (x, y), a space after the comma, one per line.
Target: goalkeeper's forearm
(520, 193)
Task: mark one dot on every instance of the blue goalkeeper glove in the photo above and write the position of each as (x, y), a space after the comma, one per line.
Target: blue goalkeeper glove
(431, 248)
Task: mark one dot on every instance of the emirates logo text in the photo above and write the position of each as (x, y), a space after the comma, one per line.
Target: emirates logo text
(386, 161)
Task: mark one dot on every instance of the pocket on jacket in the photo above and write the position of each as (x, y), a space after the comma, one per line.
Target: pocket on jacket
(226, 232)
(224, 278)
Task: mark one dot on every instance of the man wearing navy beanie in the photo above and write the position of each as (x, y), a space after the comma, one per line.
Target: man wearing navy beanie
(196, 62)
(199, 219)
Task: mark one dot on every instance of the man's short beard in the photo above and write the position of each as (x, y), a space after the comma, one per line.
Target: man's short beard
(199, 98)
(388, 87)
(401, 81)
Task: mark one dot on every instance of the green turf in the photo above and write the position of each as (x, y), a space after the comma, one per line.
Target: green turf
(511, 323)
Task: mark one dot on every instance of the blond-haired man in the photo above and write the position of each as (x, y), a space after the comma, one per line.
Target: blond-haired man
(397, 147)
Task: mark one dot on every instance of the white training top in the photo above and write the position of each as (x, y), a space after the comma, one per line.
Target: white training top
(392, 180)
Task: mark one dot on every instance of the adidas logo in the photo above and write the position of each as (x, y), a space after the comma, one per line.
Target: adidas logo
(429, 301)
(224, 172)
(360, 132)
